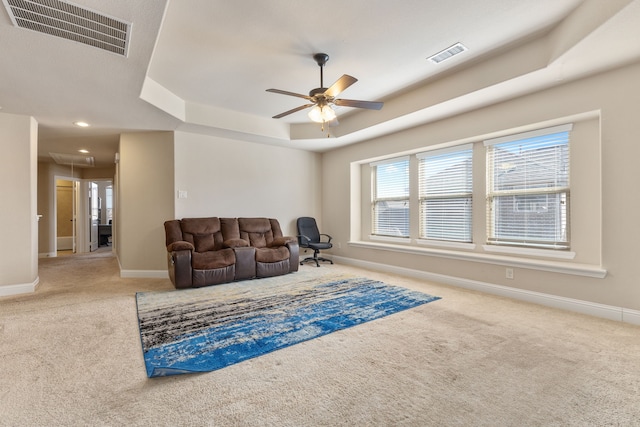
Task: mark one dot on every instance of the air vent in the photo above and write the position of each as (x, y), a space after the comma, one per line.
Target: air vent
(62, 19)
(447, 53)
(73, 160)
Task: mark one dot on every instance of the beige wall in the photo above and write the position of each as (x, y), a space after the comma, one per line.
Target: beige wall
(603, 173)
(19, 223)
(144, 200)
(47, 174)
(228, 178)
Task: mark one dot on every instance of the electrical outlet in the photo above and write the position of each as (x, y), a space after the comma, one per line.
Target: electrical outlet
(509, 273)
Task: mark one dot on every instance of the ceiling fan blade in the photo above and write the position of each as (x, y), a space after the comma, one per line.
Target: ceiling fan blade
(284, 92)
(341, 84)
(286, 113)
(370, 105)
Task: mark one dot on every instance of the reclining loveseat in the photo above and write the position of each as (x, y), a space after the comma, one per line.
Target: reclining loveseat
(210, 251)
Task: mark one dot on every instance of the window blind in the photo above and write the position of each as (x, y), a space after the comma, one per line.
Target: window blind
(391, 197)
(446, 194)
(528, 189)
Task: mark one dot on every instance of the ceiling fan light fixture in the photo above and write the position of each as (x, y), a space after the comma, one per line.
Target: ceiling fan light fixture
(322, 114)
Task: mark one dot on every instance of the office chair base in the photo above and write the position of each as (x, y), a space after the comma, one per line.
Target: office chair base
(315, 259)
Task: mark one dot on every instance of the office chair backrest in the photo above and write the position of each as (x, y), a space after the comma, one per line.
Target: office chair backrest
(307, 227)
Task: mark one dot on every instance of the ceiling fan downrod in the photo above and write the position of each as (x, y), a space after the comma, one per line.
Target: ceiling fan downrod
(321, 59)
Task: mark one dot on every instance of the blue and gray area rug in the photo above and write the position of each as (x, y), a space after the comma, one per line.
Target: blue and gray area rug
(201, 330)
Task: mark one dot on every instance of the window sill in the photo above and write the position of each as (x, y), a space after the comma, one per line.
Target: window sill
(544, 253)
(389, 239)
(554, 266)
(445, 244)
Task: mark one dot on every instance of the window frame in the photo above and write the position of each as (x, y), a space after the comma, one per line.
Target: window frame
(396, 198)
(562, 235)
(442, 192)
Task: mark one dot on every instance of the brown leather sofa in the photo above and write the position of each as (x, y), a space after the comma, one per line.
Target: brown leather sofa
(210, 251)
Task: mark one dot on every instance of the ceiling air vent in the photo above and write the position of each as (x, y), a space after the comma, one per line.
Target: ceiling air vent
(447, 53)
(73, 160)
(62, 19)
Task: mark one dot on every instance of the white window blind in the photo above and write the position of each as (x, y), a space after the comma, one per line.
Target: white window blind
(528, 189)
(391, 197)
(446, 194)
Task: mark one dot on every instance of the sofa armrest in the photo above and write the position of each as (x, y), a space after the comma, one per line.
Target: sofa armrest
(294, 254)
(282, 241)
(179, 266)
(180, 245)
(235, 243)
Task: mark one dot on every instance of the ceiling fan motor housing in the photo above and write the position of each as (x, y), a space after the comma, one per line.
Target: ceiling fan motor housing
(317, 91)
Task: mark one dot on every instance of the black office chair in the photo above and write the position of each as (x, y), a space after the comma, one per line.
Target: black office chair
(310, 237)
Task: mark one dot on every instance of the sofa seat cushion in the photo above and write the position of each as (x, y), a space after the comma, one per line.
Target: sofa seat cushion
(277, 254)
(213, 259)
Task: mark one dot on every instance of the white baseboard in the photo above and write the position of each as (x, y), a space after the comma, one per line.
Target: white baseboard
(20, 288)
(144, 274)
(631, 316)
(585, 307)
(47, 255)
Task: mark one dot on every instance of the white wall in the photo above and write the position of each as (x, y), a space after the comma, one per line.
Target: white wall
(614, 96)
(18, 217)
(228, 178)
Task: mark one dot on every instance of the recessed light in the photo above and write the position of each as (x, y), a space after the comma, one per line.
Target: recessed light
(83, 151)
(81, 124)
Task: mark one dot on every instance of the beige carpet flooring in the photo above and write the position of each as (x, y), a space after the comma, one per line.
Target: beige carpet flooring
(70, 355)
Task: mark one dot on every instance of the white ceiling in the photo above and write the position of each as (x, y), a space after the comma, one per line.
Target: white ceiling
(204, 65)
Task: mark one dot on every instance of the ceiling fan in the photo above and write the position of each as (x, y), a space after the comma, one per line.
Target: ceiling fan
(322, 98)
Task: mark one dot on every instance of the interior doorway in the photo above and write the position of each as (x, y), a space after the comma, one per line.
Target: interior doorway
(101, 213)
(66, 213)
(84, 215)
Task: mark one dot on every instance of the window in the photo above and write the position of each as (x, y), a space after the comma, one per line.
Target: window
(390, 203)
(446, 190)
(528, 189)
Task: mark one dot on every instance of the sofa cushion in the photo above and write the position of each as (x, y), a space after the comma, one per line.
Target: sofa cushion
(276, 254)
(257, 231)
(206, 242)
(203, 233)
(213, 259)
